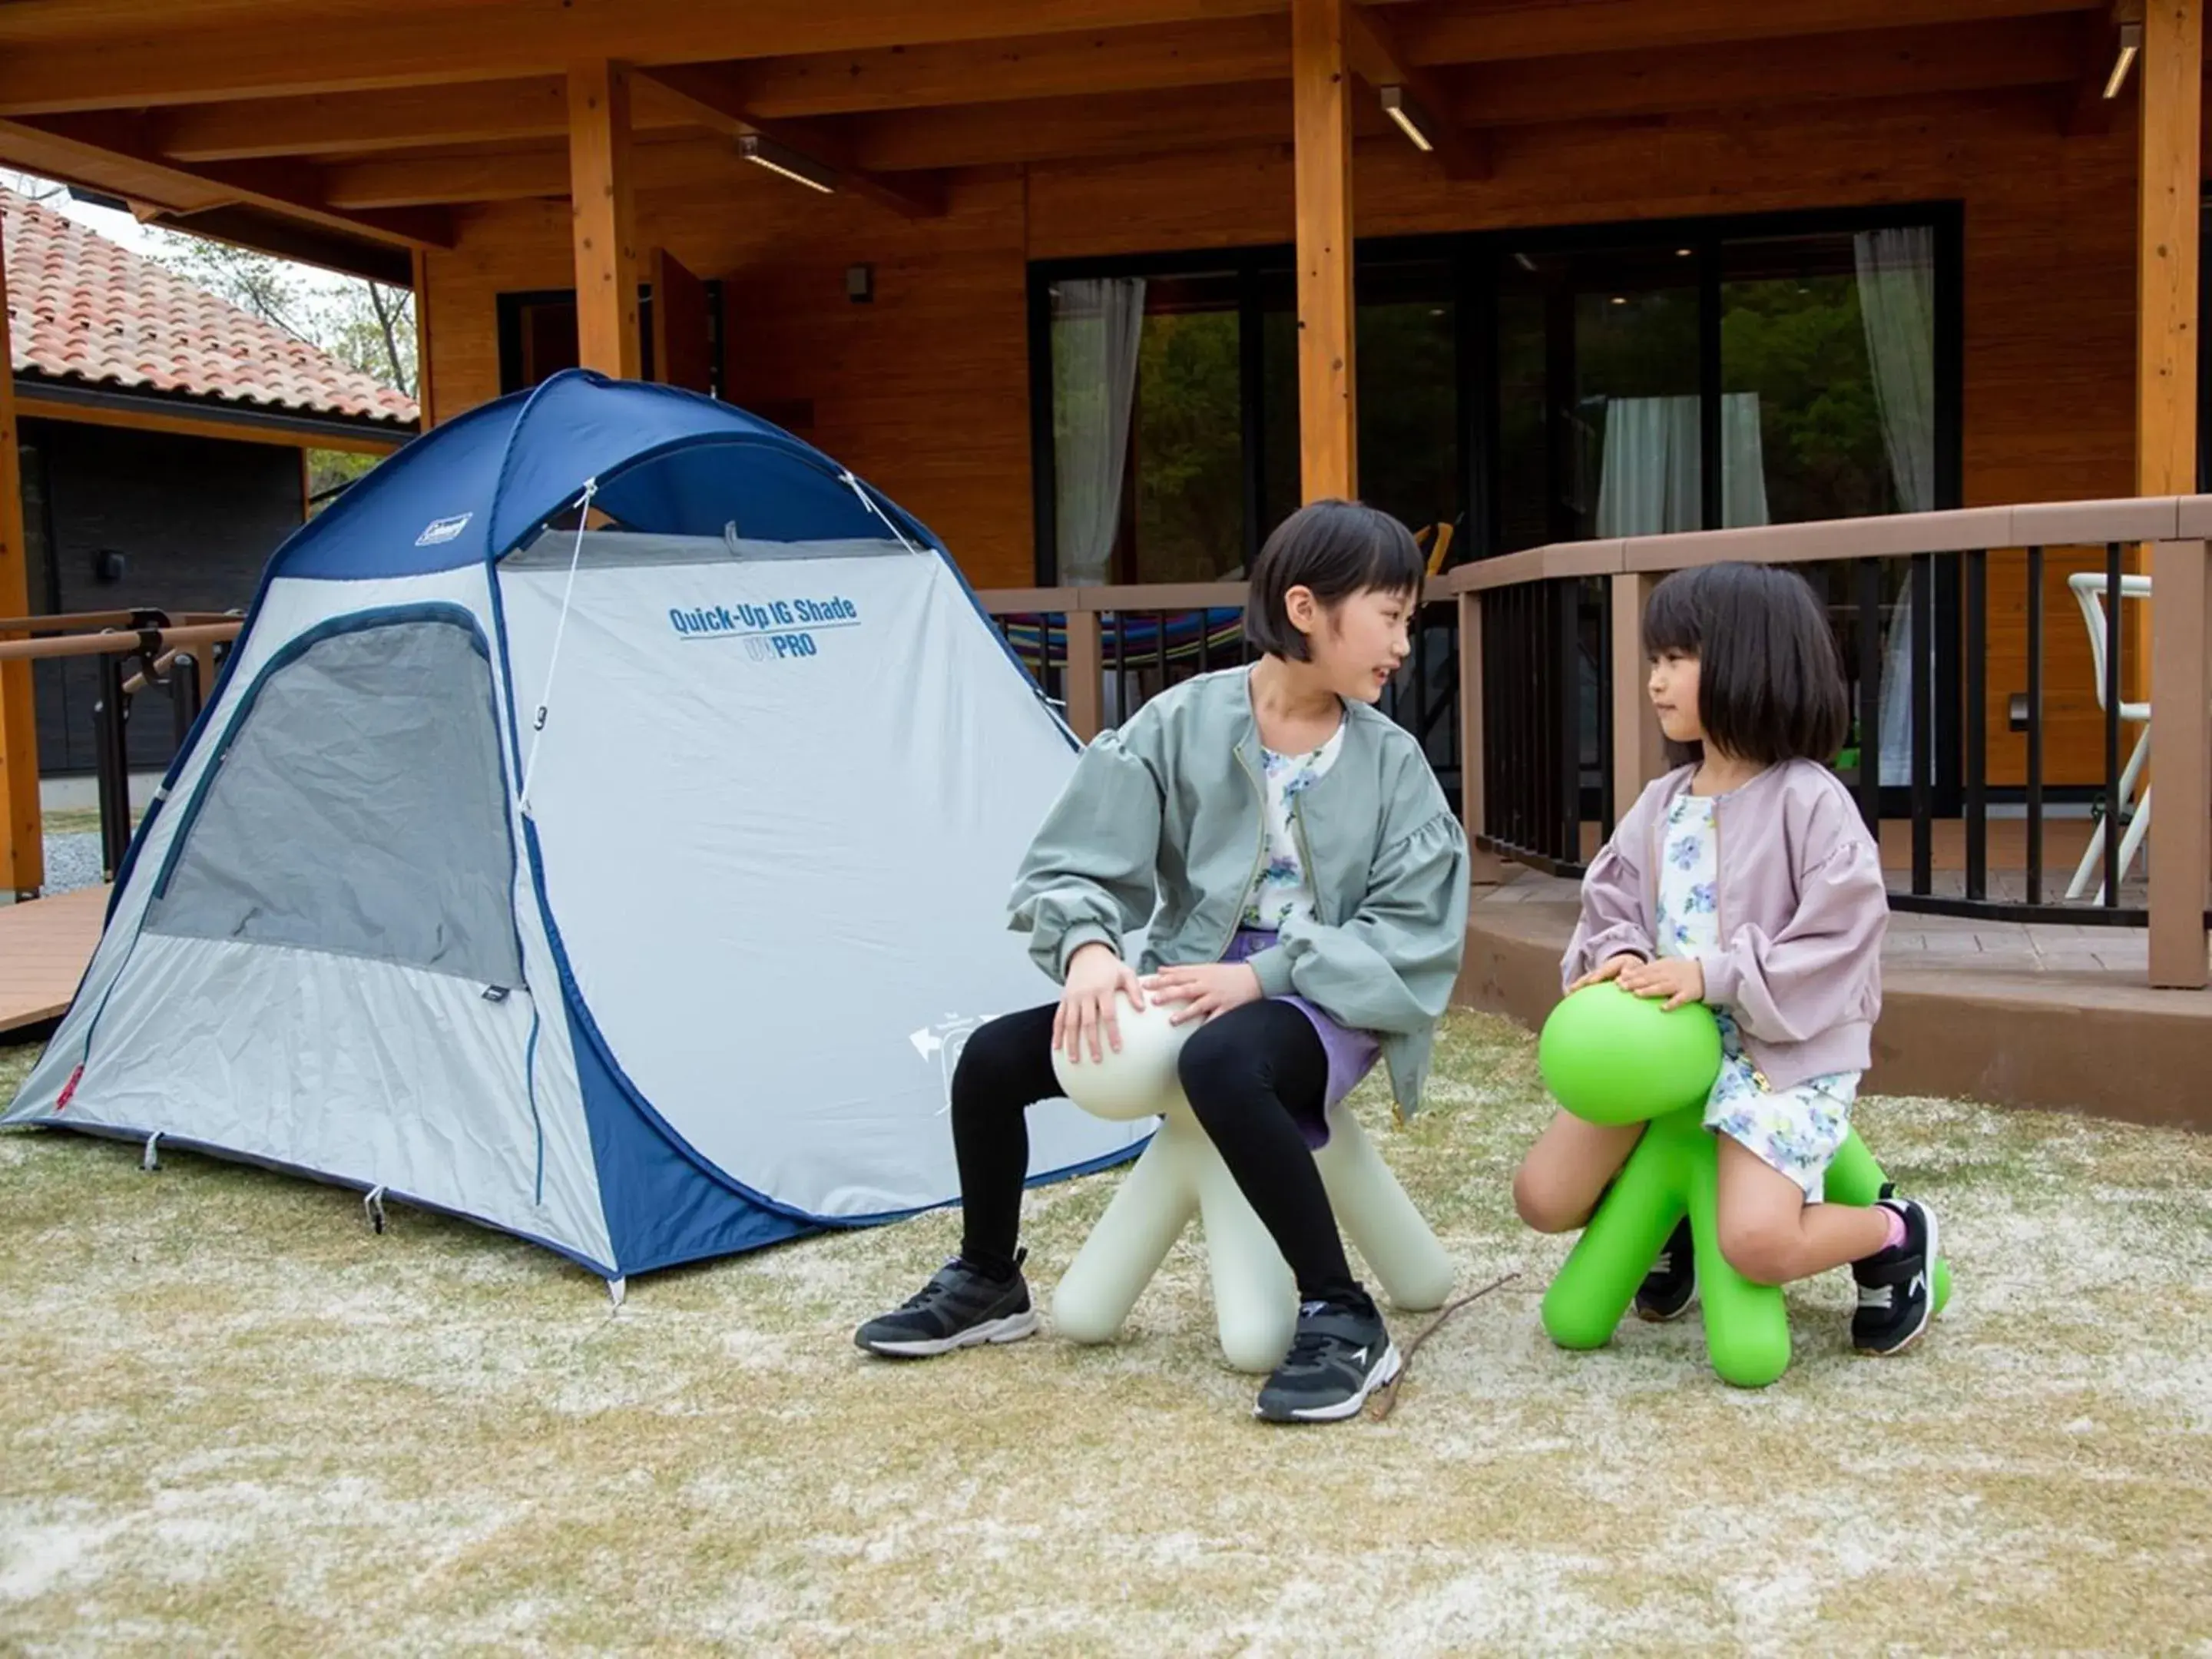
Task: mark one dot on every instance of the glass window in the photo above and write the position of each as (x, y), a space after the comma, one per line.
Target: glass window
(1406, 357)
(1148, 447)
(1827, 374)
(1187, 471)
(1806, 363)
(1599, 409)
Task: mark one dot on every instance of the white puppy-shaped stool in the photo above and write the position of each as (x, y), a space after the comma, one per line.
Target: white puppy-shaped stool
(1256, 1301)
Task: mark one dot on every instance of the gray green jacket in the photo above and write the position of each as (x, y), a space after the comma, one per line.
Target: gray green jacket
(1163, 828)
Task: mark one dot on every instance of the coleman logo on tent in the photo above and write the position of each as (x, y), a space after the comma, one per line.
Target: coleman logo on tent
(443, 530)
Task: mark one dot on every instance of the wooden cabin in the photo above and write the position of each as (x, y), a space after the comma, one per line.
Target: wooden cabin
(163, 443)
(1100, 290)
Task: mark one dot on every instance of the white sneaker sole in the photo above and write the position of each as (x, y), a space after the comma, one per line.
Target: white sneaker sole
(1931, 1254)
(1013, 1328)
(1384, 1374)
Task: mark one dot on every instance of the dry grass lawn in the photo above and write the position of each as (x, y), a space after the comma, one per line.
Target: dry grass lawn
(236, 1420)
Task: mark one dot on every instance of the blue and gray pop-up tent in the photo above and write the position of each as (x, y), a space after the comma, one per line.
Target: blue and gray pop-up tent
(602, 831)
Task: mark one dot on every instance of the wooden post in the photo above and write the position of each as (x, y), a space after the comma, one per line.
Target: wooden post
(425, 402)
(1485, 868)
(2181, 749)
(1321, 92)
(605, 219)
(2166, 183)
(1639, 753)
(23, 846)
(1083, 674)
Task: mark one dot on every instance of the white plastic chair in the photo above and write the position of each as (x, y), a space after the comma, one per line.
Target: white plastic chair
(2088, 588)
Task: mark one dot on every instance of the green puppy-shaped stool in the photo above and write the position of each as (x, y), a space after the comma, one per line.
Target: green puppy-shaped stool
(1613, 1058)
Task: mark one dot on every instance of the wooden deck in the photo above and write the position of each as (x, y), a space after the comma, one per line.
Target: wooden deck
(2048, 1015)
(44, 947)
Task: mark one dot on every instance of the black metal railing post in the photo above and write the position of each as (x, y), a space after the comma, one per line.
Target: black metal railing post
(1923, 691)
(1869, 622)
(1976, 597)
(2112, 825)
(2035, 725)
(111, 747)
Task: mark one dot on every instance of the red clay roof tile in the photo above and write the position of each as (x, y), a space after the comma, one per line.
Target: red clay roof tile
(81, 307)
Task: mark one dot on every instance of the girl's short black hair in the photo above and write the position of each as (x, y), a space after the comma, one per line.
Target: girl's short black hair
(1769, 678)
(1334, 549)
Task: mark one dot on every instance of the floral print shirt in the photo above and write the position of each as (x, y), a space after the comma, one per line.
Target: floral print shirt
(1797, 1130)
(1283, 890)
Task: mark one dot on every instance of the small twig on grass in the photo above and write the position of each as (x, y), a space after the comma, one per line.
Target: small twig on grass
(1387, 1398)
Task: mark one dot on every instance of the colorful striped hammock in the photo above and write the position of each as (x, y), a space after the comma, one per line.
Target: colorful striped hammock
(1134, 639)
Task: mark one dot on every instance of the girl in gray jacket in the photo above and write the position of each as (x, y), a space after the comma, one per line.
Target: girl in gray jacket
(1746, 880)
(1302, 885)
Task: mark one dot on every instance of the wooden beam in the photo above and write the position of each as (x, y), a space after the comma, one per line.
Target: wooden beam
(1882, 62)
(87, 146)
(403, 119)
(192, 63)
(243, 225)
(2168, 175)
(1215, 53)
(2169, 182)
(1639, 753)
(540, 171)
(2181, 828)
(22, 843)
(1926, 62)
(188, 423)
(711, 93)
(1371, 43)
(1123, 124)
(2103, 40)
(604, 217)
(1321, 94)
(1485, 31)
(426, 399)
(341, 123)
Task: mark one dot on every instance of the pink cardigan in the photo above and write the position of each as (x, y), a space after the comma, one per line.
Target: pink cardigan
(1803, 911)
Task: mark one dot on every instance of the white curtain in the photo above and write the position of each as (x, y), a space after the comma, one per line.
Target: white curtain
(1650, 482)
(1743, 461)
(1096, 327)
(1897, 301)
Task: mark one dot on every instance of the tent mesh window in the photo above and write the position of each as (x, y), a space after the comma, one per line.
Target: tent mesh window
(358, 807)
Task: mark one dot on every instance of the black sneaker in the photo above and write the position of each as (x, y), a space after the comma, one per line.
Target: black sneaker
(1671, 1286)
(957, 1308)
(1897, 1287)
(1340, 1356)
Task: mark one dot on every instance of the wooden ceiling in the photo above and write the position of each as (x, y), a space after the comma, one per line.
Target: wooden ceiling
(367, 123)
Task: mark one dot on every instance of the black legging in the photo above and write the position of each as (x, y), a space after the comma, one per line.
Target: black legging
(1244, 1073)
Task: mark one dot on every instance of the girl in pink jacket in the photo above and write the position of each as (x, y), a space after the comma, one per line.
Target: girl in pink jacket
(1746, 880)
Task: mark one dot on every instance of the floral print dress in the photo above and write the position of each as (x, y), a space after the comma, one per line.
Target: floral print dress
(1795, 1131)
(1282, 890)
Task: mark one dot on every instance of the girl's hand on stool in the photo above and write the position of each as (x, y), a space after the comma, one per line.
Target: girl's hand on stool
(1095, 977)
(1678, 979)
(1205, 988)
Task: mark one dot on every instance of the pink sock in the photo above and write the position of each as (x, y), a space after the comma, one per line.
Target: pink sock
(1896, 1221)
